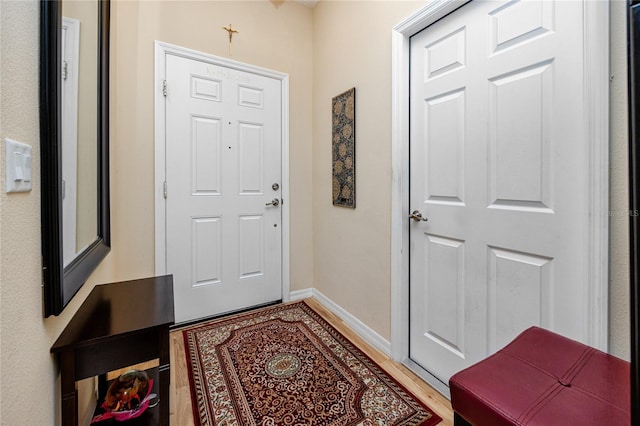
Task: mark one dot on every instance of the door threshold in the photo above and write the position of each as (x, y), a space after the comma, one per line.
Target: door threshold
(222, 315)
(431, 380)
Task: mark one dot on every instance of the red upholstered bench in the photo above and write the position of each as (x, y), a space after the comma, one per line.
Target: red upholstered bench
(541, 378)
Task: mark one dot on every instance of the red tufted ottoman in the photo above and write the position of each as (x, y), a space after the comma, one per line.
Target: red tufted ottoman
(541, 378)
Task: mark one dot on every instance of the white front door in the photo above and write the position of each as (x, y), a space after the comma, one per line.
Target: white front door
(499, 166)
(223, 168)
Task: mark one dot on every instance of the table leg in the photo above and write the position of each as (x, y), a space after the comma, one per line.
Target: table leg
(164, 372)
(68, 389)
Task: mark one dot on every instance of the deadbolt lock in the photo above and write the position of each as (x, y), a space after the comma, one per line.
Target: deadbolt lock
(275, 186)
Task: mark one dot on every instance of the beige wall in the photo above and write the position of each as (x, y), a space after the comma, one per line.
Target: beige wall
(352, 248)
(619, 331)
(265, 40)
(348, 250)
(352, 47)
(28, 372)
(272, 34)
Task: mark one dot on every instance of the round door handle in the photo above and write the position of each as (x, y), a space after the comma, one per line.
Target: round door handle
(417, 216)
(275, 202)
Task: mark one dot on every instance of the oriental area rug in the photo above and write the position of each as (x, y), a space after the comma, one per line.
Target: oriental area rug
(285, 365)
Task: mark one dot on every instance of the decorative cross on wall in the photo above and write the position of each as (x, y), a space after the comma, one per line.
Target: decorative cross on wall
(231, 31)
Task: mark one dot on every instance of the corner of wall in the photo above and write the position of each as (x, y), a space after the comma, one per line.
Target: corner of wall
(619, 269)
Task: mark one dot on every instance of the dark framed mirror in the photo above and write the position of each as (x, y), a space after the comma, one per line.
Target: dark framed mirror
(74, 145)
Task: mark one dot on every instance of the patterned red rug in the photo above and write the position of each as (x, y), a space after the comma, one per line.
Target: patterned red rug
(285, 365)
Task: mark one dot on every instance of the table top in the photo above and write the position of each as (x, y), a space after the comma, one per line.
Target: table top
(118, 309)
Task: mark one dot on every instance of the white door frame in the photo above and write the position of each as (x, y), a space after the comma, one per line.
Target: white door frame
(161, 50)
(69, 72)
(596, 91)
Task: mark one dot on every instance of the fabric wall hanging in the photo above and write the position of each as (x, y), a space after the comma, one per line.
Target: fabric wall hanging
(344, 149)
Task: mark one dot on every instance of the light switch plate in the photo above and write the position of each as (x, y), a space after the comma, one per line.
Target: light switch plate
(18, 166)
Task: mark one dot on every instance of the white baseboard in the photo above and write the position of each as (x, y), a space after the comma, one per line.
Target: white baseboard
(300, 294)
(361, 329)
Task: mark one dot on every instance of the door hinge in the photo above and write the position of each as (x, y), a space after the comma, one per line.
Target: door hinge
(164, 88)
(164, 190)
(65, 70)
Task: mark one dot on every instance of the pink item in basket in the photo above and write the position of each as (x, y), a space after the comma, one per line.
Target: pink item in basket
(124, 398)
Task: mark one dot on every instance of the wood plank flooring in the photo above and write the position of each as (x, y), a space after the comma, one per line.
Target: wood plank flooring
(182, 415)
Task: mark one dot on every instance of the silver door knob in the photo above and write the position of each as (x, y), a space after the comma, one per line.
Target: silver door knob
(275, 202)
(417, 216)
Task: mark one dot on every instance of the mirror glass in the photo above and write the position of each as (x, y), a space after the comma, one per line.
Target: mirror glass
(79, 116)
(74, 144)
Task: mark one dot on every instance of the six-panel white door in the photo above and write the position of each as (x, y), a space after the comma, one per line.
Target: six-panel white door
(499, 167)
(223, 161)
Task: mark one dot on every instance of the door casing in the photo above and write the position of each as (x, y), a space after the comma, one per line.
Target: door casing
(161, 50)
(71, 51)
(596, 95)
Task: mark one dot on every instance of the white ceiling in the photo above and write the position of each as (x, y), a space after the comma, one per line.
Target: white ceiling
(308, 3)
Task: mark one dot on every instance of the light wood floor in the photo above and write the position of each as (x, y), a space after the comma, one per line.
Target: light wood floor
(181, 414)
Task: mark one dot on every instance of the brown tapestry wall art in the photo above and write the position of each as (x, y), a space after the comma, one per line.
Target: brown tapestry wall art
(344, 149)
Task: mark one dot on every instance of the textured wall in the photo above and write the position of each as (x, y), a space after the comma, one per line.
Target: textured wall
(352, 47)
(28, 372)
(273, 34)
(265, 40)
(352, 248)
(619, 337)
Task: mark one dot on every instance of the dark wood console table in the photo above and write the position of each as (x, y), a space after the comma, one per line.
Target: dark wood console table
(119, 325)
